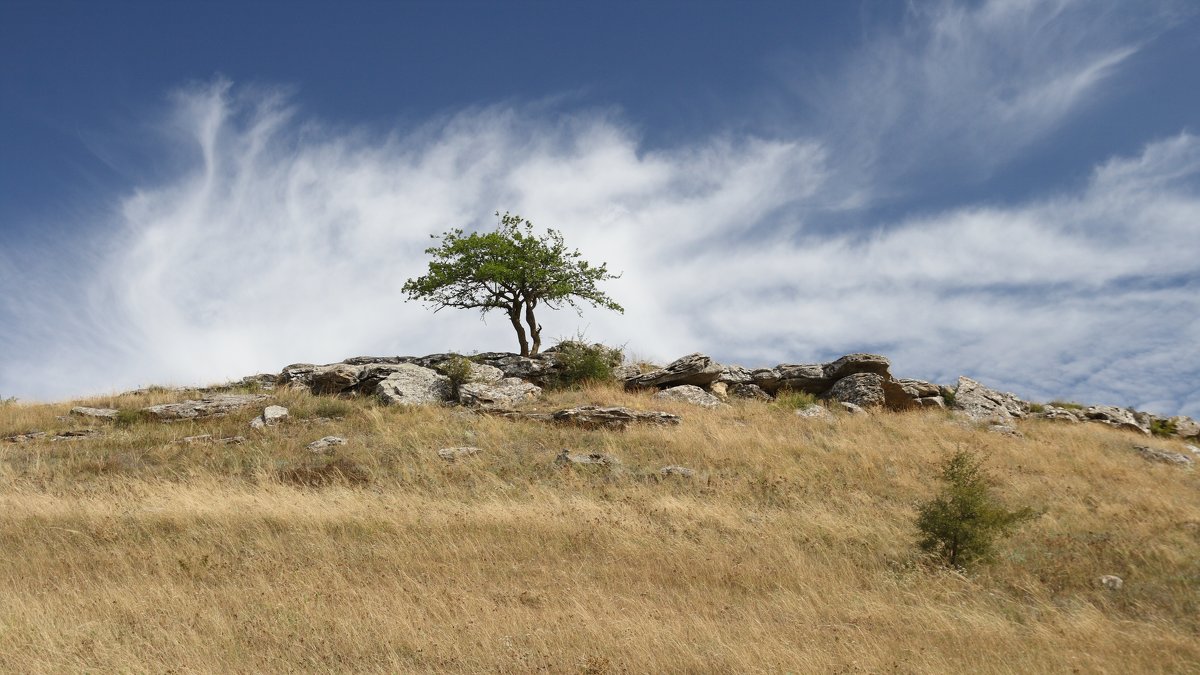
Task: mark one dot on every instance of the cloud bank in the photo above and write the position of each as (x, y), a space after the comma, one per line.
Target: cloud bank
(282, 240)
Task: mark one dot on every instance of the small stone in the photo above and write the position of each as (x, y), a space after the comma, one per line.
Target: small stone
(202, 438)
(674, 470)
(852, 408)
(271, 415)
(1156, 455)
(1112, 582)
(102, 413)
(454, 454)
(324, 444)
(565, 457)
(813, 411)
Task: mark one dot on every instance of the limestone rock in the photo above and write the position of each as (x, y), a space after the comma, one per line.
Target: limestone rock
(210, 406)
(862, 389)
(1053, 412)
(677, 471)
(919, 389)
(690, 393)
(505, 393)
(719, 389)
(536, 370)
(324, 444)
(1113, 416)
(26, 437)
(99, 413)
(852, 408)
(1156, 455)
(931, 402)
(334, 379)
(748, 390)
(625, 372)
(807, 378)
(596, 417)
(981, 403)
(735, 375)
(455, 454)
(1185, 427)
(852, 364)
(1111, 582)
(813, 411)
(410, 384)
(271, 415)
(696, 369)
(565, 458)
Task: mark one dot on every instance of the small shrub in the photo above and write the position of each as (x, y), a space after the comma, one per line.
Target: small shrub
(1160, 427)
(1069, 405)
(458, 369)
(948, 396)
(794, 400)
(582, 363)
(1037, 408)
(962, 524)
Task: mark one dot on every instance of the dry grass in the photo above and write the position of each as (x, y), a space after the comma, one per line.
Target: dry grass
(792, 551)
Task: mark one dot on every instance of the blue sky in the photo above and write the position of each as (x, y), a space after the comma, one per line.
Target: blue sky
(1008, 189)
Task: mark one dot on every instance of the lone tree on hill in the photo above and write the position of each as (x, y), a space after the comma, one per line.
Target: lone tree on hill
(513, 270)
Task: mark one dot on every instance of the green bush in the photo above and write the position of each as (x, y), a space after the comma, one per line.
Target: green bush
(962, 524)
(582, 363)
(948, 396)
(458, 369)
(1069, 405)
(1161, 427)
(793, 400)
(1037, 408)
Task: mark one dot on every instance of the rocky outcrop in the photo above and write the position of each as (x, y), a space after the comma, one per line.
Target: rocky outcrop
(695, 369)
(690, 393)
(97, 413)
(1185, 427)
(505, 393)
(540, 371)
(271, 415)
(1164, 456)
(597, 417)
(334, 379)
(324, 445)
(862, 389)
(410, 384)
(981, 403)
(748, 390)
(1119, 418)
(212, 406)
(735, 375)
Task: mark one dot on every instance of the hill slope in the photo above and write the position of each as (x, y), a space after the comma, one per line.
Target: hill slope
(791, 549)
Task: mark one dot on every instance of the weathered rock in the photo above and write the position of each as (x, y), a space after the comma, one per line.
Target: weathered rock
(410, 384)
(1053, 412)
(690, 393)
(719, 389)
(536, 370)
(767, 379)
(896, 397)
(209, 406)
(813, 411)
(324, 444)
(731, 374)
(26, 437)
(1192, 449)
(981, 403)
(297, 374)
(565, 458)
(264, 381)
(1113, 416)
(596, 417)
(1005, 430)
(696, 369)
(1185, 427)
(455, 454)
(919, 389)
(931, 402)
(852, 408)
(1157, 455)
(807, 378)
(1111, 582)
(748, 390)
(677, 471)
(99, 413)
(862, 389)
(334, 379)
(505, 393)
(208, 438)
(75, 434)
(625, 372)
(271, 415)
(852, 364)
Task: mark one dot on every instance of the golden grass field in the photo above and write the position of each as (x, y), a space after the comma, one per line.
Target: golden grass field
(792, 551)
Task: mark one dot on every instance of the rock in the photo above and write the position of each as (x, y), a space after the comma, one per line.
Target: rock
(1156, 455)
(410, 384)
(565, 458)
(1111, 582)
(455, 454)
(264, 381)
(852, 408)
(919, 389)
(1053, 412)
(1113, 416)
(324, 444)
(536, 370)
(335, 379)
(595, 417)
(696, 369)
(862, 389)
(719, 389)
(625, 372)
(735, 375)
(504, 393)
(208, 438)
(1192, 449)
(202, 438)
(813, 411)
(767, 379)
(931, 402)
(297, 374)
(807, 378)
(271, 415)
(690, 393)
(749, 390)
(678, 471)
(981, 403)
(1005, 430)
(100, 413)
(26, 437)
(74, 435)
(852, 364)
(209, 406)
(1185, 427)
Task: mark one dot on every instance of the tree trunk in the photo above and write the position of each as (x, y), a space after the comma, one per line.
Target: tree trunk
(515, 316)
(535, 331)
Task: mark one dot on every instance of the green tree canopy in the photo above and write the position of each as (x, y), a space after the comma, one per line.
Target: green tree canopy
(513, 270)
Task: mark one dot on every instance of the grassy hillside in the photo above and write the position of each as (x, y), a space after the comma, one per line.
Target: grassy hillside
(791, 550)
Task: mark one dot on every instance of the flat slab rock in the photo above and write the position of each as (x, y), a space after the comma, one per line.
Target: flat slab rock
(596, 417)
(209, 406)
(565, 458)
(690, 393)
(455, 454)
(1164, 456)
(982, 403)
(505, 393)
(99, 413)
(696, 369)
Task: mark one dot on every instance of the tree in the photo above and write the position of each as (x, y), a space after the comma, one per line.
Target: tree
(963, 522)
(513, 270)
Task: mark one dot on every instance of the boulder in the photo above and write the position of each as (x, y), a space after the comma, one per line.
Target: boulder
(536, 370)
(735, 375)
(862, 389)
(596, 417)
(748, 390)
(271, 415)
(718, 389)
(410, 384)
(505, 393)
(210, 406)
(334, 379)
(625, 372)
(767, 379)
(981, 403)
(808, 378)
(931, 402)
(99, 413)
(696, 369)
(1111, 582)
(297, 374)
(1185, 427)
(324, 444)
(851, 408)
(813, 411)
(1120, 418)
(690, 393)
(852, 364)
(1164, 456)
(919, 389)
(1053, 412)
(455, 454)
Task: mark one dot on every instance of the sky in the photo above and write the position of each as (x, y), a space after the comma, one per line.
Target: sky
(1003, 189)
